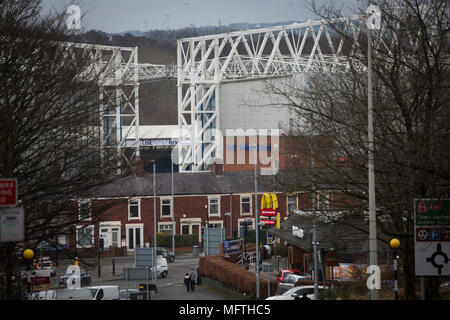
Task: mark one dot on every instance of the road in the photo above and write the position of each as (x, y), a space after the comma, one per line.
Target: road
(169, 288)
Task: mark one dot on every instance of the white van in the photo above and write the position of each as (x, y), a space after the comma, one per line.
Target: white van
(105, 293)
(161, 266)
(65, 294)
(86, 293)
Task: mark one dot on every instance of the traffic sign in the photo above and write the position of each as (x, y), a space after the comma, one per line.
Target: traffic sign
(12, 224)
(432, 237)
(8, 192)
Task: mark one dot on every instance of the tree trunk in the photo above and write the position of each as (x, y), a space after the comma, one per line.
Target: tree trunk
(432, 288)
(10, 268)
(409, 272)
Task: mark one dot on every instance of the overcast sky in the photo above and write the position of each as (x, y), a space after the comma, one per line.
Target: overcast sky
(123, 15)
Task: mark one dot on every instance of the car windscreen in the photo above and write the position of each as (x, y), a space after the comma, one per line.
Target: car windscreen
(290, 279)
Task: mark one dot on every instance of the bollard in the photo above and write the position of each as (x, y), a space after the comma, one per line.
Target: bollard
(114, 267)
(395, 278)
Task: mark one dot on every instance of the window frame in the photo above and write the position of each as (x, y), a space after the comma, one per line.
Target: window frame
(296, 202)
(250, 213)
(161, 199)
(160, 224)
(91, 245)
(138, 200)
(80, 203)
(218, 206)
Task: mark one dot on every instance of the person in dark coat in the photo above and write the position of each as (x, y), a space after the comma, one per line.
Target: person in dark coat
(193, 279)
(187, 282)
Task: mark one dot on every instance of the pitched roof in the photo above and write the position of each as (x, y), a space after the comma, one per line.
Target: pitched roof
(346, 235)
(189, 184)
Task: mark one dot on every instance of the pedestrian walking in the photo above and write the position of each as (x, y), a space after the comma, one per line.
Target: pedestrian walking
(193, 279)
(187, 282)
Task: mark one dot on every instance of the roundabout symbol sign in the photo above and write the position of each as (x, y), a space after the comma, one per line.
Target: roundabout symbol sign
(432, 237)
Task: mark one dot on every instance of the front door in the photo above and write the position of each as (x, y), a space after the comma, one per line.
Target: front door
(134, 237)
(104, 233)
(115, 237)
(196, 231)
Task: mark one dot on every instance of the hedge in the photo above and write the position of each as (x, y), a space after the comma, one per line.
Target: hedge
(181, 240)
(251, 236)
(237, 277)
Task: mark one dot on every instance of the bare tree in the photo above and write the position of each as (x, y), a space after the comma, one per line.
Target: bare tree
(411, 119)
(50, 118)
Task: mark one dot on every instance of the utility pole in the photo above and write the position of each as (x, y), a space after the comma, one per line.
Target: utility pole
(257, 224)
(314, 230)
(154, 222)
(173, 211)
(373, 259)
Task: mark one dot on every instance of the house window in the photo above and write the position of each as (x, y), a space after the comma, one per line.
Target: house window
(322, 201)
(185, 229)
(242, 224)
(85, 236)
(166, 208)
(215, 225)
(84, 210)
(292, 204)
(213, 207)
(166, 229)
(246, 205)
(134, 210)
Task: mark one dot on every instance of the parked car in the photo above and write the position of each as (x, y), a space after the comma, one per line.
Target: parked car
(132, 294)
(46, 264)
(289, 282)
(297, 291)
(45, 246)
(283, 273)
(85, 279)
(169, 255)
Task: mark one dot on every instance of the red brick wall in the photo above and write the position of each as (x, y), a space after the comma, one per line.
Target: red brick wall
(186, 207)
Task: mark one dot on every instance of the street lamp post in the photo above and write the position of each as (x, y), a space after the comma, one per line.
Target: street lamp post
(173, 210)
(314, 229)
(373, 23)
(257, 225)
(154, 222)
(373, 259)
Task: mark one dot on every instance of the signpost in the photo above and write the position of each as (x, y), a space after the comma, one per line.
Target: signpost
(12, 224)
(432, 237)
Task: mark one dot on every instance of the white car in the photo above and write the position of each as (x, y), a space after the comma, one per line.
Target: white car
(297, 291)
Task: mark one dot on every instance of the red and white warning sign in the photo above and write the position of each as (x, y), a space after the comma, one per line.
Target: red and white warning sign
(8, 192)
